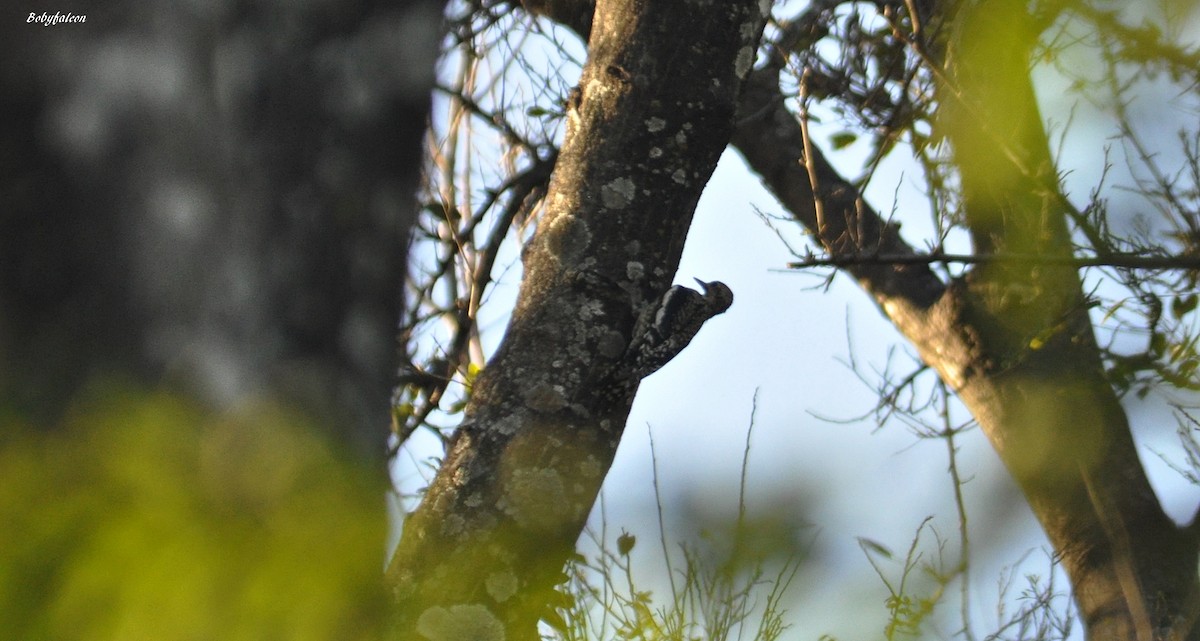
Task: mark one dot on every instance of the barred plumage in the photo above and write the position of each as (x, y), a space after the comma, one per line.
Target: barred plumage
(667, 327)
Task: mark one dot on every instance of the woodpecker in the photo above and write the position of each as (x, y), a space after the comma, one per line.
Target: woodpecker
(666, 327)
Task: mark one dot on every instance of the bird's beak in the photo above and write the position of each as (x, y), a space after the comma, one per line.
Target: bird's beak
(703, 284)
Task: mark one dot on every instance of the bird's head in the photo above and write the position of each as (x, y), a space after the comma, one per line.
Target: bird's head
(717, 293)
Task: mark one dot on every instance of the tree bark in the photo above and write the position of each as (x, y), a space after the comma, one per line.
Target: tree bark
(650, 117)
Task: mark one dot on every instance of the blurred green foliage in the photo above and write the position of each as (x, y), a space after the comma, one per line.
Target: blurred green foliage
(143, 517)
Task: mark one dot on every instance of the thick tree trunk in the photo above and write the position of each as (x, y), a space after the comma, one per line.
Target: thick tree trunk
(649, 119)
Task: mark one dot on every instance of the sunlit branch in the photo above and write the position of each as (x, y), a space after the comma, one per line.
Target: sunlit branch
(1130, 261)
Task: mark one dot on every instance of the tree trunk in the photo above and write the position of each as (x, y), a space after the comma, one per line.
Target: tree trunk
(649, 119)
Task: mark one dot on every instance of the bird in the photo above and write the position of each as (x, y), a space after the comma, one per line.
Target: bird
(665, 328)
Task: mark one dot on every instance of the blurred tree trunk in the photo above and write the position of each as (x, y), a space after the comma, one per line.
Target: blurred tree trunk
(650, 117)
(203, 225)
(1033, 376)
(218, 199)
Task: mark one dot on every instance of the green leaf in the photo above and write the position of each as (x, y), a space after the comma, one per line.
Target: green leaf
(473, 372)
(1158, 344)
(1112, 312)
(870, 546)
(1182, 306)
(842, 139)
(403, 411)
(625, 543)
(436, 209)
